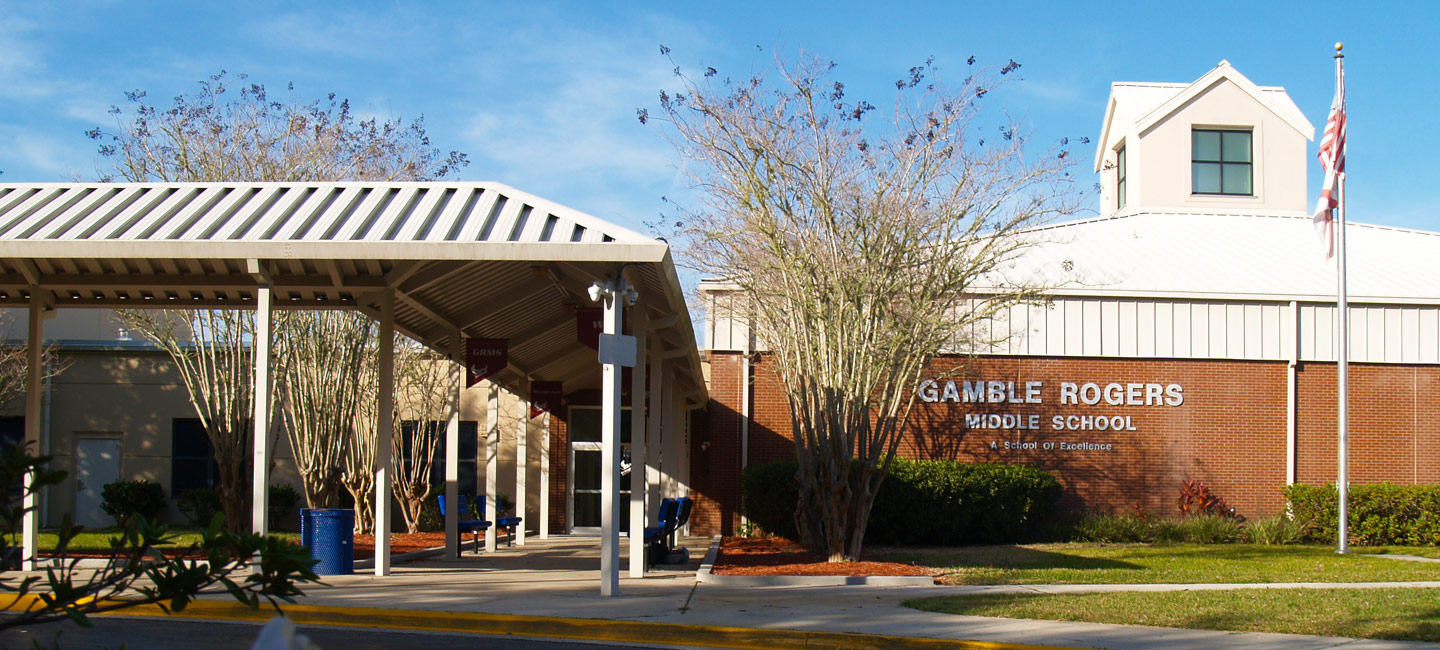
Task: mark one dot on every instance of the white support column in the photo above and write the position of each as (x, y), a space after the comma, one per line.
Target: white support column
(638, 410)
(522, 438)
(35, 345)
(260, 440)
(610, 448)
(673, 440)
(452, 447)
(658, 380)
(383, 433)
(492, 464)
(545, 474)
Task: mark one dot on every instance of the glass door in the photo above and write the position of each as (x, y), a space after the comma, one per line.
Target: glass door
(585, 466)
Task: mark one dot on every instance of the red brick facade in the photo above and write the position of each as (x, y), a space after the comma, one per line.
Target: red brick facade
(1229, 431)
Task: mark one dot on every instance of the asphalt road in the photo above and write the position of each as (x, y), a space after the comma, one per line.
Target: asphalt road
(112, 633)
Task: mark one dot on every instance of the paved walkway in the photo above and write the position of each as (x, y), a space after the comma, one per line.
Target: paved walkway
(551, 588)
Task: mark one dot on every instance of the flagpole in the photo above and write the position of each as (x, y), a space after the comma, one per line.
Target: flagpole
(1342, 478)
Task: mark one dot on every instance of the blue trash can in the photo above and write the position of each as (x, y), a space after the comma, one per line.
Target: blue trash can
(330, 534)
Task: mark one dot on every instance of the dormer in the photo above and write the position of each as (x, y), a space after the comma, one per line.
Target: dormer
(1218, 145)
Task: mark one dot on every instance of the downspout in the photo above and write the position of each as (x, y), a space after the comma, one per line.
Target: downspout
(745, 408)
(1291, 415)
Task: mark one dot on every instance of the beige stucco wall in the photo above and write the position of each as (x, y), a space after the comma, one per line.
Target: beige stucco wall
(1158, 159)
(135, 396)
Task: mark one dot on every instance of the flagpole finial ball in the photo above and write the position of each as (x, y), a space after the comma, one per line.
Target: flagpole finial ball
(1339, 46)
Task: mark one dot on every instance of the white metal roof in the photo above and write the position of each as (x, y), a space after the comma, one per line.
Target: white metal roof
(1228, 256)
(488, 259)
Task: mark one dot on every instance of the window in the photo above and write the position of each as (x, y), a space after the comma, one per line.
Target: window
(1120, 178)
(192, 458)
(1220, 162)
(469, 446)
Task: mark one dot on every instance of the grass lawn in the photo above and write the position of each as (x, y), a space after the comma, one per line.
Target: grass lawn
(97, 540)
(1076, 563)
(1406, 614)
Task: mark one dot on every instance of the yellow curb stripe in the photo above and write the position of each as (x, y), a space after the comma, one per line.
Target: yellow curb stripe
(567, 628)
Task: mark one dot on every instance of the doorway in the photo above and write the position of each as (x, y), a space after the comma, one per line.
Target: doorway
(97, 462)
(585, 462)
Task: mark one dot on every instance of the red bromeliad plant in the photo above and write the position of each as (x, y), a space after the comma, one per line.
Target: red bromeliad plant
(1197, 500)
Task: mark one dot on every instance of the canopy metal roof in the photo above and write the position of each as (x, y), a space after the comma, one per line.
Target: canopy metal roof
(485, 258)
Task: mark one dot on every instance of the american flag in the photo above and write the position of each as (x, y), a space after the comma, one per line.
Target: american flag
(1332, 159)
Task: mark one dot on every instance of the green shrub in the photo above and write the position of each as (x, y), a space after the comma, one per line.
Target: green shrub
(198, 506)
(1112, 529)
(1380, 514)
(923, 502)
(284, 500)
(1210, 529)
(430, 519)
(123, 499)
(1275, 530)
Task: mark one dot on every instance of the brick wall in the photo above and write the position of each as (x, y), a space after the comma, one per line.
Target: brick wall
(1230, 430)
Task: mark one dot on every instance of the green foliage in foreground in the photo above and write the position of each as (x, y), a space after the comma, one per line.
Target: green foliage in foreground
(135, 570)
(1411, 614)
(1160, 564)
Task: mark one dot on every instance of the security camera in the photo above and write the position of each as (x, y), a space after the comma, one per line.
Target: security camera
(596, 291)
(631, 295)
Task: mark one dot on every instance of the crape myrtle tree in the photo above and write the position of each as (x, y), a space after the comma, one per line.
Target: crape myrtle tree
(424, 395)
(862, 242)
(325, 354)
(230, 129)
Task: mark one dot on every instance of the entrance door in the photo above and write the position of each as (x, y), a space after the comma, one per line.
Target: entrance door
(97, 462)
(586, 459)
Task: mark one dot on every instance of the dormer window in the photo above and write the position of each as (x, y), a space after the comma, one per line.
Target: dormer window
(1221, 162)
(1120, 178)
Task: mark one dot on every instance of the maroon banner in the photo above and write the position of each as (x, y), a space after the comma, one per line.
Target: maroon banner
(589, 323)
(483, 358)
(545, 397)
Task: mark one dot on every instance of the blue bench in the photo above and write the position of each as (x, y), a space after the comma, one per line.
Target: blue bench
(507, 524)
(474, 526)
(660, 540)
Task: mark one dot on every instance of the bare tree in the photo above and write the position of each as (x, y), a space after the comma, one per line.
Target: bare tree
(859, 244)
(217, 135)
(212, 351)
(325, 353)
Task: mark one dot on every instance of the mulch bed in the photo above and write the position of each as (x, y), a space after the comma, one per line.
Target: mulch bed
(776, 556)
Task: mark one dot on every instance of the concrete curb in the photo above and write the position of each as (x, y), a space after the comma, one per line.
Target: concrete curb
(563, 628)
(707, 576)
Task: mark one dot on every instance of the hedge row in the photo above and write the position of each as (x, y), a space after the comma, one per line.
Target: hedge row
(1380, 514)
(927, 502)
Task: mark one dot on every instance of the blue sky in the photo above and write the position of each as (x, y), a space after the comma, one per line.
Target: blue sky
(542, 95)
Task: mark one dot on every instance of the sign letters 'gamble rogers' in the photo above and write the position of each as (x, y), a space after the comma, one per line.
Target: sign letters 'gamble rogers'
(1073, 395)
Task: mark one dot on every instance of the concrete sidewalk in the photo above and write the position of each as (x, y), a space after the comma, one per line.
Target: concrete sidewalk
(558, 579)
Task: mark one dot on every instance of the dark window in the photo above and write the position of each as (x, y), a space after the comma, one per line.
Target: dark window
(1220, 162)
(192, 457)
(469, 446)
(585, 425)
(1120, 178)
(12, 432)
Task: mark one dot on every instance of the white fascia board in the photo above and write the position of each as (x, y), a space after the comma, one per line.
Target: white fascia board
(1102, 146)
(1225, 296)
(1224, 71)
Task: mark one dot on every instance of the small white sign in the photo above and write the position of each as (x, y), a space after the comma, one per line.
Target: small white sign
(618, 349)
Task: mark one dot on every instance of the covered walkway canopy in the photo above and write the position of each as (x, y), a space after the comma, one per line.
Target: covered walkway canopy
(440, 262)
